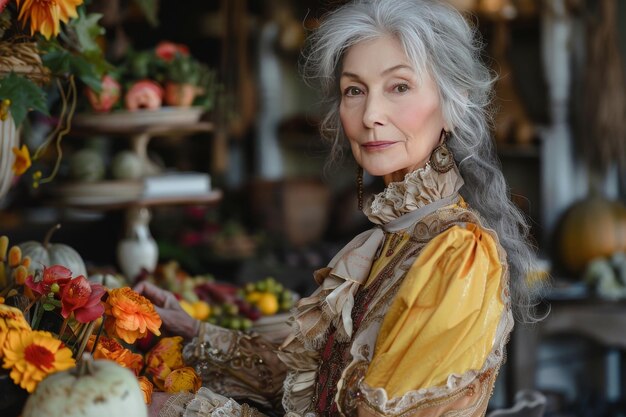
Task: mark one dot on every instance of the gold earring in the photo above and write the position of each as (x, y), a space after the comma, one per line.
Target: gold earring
(441, 159)
(359, 186)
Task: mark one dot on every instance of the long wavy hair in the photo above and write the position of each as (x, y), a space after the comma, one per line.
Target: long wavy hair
(439, 41)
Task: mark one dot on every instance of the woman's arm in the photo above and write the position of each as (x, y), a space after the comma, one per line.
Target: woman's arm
(231, 363)
(236, 364)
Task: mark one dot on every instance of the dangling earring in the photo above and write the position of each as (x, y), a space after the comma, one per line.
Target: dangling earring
(441, 159)
(359, 186)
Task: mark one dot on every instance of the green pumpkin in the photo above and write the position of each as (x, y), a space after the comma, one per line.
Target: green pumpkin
(48, 254)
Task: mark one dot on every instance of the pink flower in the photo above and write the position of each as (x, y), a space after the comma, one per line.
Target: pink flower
(82, 298)
(55, 274)
(167, 50)
(3, 4)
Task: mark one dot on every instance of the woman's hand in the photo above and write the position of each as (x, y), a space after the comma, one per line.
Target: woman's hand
(175, 320)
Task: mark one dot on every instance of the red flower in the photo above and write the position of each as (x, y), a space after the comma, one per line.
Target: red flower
(167, 50)
(82, 298)
(55, 274)
(3, 4)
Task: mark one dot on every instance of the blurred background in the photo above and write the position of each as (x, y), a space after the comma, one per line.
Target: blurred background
(250, 195)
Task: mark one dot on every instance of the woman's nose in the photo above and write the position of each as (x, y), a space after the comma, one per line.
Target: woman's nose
(374, 113)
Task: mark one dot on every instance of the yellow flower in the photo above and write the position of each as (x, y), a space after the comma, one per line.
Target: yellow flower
(22, 160)
(33, 355)
(182, 379)
(130, 315)
(67, 9)
(163, 358)
(11, 319)
(45, 15)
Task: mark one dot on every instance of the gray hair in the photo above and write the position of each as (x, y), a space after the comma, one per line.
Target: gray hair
(438, 41)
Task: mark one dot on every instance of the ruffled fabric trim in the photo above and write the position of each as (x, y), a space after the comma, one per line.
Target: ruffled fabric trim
(419, 188)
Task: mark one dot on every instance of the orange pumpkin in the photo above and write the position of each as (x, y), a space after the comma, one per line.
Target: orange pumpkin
(591, 228)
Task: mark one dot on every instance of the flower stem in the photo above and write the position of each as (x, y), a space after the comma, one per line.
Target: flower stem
(63, 327)
(84, 340)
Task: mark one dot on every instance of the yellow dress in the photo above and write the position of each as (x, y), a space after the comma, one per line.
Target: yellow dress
(410, 318)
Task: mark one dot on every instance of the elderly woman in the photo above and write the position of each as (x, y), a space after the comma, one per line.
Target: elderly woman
(412, 316)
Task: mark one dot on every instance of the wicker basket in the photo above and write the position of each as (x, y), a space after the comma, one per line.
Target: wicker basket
(23, 58)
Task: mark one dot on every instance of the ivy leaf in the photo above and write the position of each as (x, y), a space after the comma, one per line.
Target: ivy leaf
(87, 31)
(24, 95)
(150, 9)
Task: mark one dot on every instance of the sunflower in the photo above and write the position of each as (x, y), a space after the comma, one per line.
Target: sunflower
(130, 315)
(11, 319)
(33, 355)
(45, 15)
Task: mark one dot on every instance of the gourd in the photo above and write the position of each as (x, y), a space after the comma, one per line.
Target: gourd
(95, 388)
(47, 254)
(87, 165)
(109, 281)
(127, 165)
(591, 228)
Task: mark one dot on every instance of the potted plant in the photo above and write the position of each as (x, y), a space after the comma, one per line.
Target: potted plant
(185, 79)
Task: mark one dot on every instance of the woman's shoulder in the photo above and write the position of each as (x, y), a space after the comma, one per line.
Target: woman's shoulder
(455, 221)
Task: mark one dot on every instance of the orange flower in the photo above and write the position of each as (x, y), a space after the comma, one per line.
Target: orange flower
(182, 379)
(33, 355)
(130, 315)
(147, 388)
(112, 350)
(45, 15)
(11, 319)
(163, 358)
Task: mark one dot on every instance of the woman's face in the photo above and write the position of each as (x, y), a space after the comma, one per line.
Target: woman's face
(393, 122)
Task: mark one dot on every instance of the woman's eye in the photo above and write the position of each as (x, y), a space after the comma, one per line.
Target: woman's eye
(401, 88)
(352, 91)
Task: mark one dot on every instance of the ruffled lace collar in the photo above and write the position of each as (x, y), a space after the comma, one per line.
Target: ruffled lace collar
(418, 189)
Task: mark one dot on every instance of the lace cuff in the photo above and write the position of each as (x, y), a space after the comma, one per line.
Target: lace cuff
(239, 365)
(206, 403)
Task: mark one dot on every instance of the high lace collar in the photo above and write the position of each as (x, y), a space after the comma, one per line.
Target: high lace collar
(418, 189)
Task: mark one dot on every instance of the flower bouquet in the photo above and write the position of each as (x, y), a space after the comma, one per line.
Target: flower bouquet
(48, 321)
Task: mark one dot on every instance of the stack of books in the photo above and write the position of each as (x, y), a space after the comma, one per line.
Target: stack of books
(172, 184)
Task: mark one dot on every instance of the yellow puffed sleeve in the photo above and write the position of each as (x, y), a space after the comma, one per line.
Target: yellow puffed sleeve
(444, 318)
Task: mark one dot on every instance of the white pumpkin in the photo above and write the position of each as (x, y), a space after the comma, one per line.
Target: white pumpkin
(97, 388)
(47, 254)
(109, 281)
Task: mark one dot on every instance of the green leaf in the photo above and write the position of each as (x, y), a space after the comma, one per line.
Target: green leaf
(87, 31)
(150, 9)
(24, 95)
(57, 60)
(48, 307)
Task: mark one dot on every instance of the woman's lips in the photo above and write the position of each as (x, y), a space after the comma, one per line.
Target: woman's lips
(377, 145)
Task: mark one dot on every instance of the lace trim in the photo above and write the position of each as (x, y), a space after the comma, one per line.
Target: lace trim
(417, 189)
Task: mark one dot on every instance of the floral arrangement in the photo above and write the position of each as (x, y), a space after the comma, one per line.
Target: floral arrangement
(47, 322)
(166, 74)
(42, 42)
